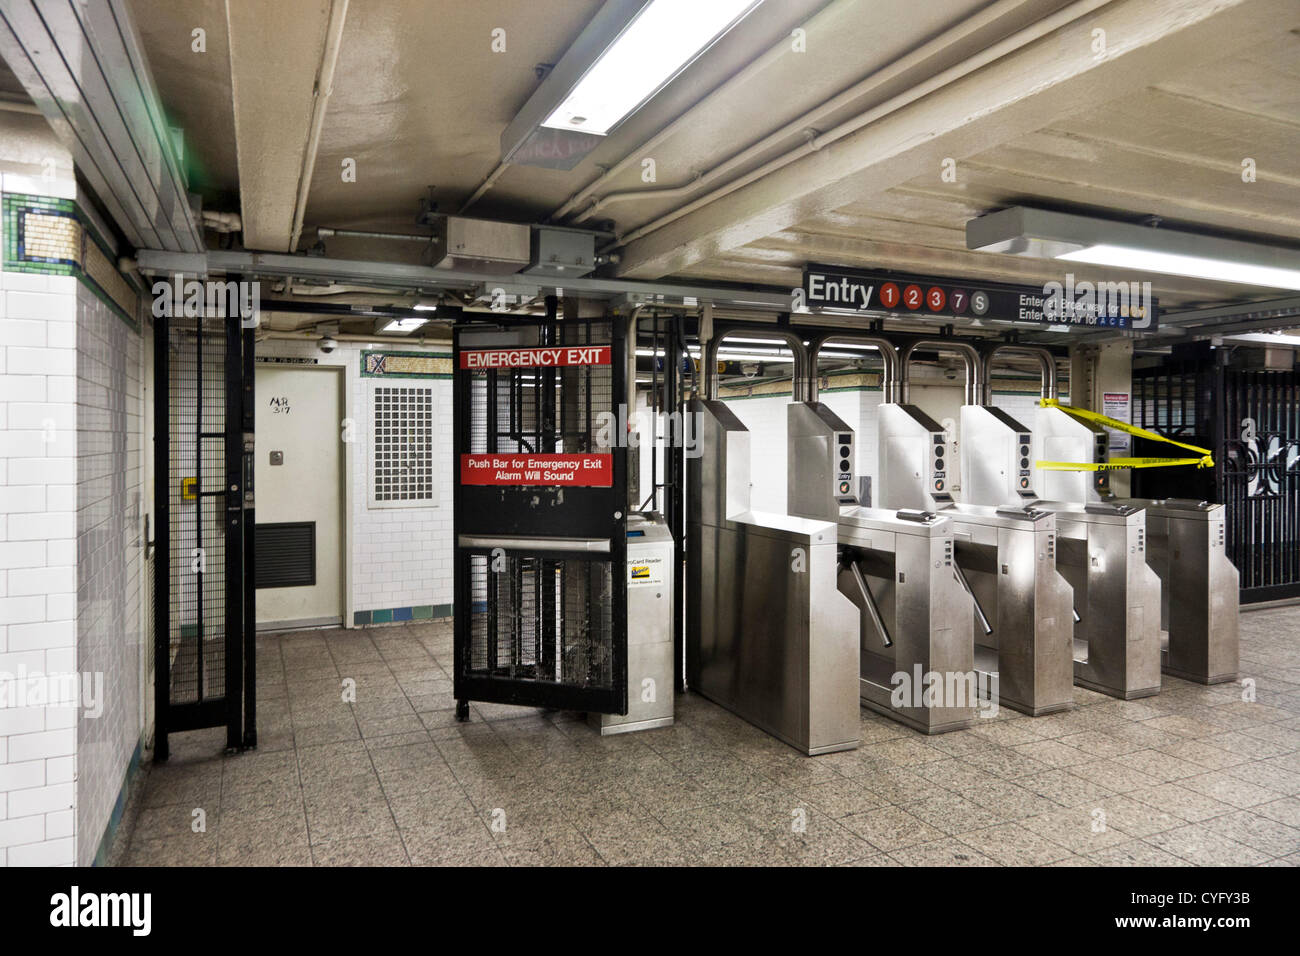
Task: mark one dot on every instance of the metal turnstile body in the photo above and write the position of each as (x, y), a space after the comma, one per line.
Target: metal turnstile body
(1024, 626)
(1005, 552)
(649, 630)
(768, 635)
(1185, 546)
(1100, 551)
(1199, 594)
(1060, 437)
(914, 621)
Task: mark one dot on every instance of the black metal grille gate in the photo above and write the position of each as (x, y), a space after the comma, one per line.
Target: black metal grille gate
(540, 568)
(203, 574)
(1251, 420)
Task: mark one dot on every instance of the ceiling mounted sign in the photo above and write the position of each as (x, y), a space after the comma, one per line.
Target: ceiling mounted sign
(1070, 302)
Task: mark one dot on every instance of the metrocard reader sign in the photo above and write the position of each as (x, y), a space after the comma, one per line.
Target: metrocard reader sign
(573, 471)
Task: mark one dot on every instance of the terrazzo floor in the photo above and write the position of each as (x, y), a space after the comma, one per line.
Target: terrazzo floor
(1195, 776)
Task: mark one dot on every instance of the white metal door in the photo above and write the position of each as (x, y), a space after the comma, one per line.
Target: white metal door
(299, 479)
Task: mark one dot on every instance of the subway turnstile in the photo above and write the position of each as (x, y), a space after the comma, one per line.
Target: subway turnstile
(1100, 551)
(768, 634)
(1185, 546)
(1005, 552)
(914, 620)
(541, 515)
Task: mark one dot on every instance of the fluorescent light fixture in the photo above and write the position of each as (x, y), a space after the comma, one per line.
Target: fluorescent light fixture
(404, 324)
(735, 355)
(425, 307)
(1053, 235)
(659, 42)
(1145, 260)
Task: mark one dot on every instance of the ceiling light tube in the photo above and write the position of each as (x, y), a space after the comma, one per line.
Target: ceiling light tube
(402, 325)
(662, 39)
(1051, 235)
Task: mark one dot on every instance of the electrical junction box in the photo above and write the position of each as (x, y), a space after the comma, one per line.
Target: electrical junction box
(480, 245)
(562, 252)
(650, 684)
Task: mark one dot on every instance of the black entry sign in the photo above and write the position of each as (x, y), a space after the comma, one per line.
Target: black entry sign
(1070, 302)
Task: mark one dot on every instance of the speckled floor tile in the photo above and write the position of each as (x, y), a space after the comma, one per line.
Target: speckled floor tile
(1012, 845)
(1195, 776)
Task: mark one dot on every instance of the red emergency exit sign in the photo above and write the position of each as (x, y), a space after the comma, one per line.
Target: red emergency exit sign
(578, 470)
(475, 359)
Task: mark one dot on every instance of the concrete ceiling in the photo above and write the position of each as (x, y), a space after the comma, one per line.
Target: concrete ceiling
(1015, 92)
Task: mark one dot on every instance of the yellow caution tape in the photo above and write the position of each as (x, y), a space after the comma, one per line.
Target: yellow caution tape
(1082, 414)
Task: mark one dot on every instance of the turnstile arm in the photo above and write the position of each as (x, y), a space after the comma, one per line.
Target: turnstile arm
(965, 586)
(864, 599)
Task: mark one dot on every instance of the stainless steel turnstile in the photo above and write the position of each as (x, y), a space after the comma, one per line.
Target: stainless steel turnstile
(1199, 591)
(1100, 551)
(914, 621)
(768, 636)
(1185, 546)
(1005, 559)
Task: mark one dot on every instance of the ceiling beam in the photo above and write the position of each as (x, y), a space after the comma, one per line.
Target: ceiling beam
(1040, 83)
(282, 59)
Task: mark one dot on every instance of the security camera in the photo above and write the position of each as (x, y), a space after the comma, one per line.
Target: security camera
(328, 344)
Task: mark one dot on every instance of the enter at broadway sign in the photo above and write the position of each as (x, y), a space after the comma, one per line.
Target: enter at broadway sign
(1117, 305)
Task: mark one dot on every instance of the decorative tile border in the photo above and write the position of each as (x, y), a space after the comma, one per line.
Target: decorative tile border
(388, 364)
(49, 236)
(400, 615)
(115, 818)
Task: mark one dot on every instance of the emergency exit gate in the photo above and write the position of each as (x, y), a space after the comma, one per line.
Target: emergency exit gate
(1250, 418)
(204, 618)
(540, 515)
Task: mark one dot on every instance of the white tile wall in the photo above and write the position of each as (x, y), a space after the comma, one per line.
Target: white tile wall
(38, 468)
(398, 557)
(109, 562)
(70, 447)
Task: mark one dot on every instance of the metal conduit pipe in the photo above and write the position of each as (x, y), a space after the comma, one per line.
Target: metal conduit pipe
(1045, 359)
(970, 355)
(888, 356)
(815, 140)
(709, 357)
(326, 232)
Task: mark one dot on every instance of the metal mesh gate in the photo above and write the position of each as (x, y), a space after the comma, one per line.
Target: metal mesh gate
(1260, 480)
(203, 427)
(1251, 419)
(540, 544)
(541, 619)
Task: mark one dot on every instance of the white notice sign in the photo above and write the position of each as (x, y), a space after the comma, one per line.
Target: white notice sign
(1116, 405)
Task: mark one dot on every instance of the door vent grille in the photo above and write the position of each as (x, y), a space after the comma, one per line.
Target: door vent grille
(286, 554)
